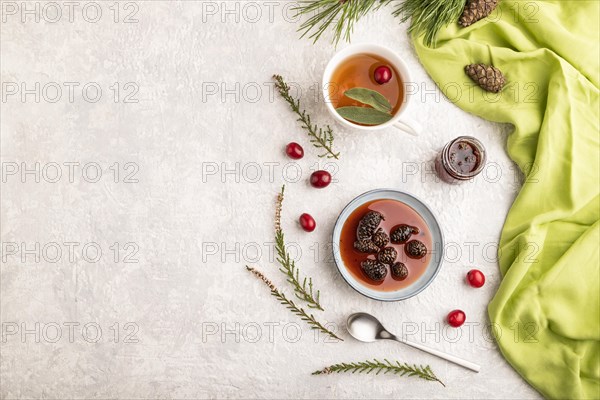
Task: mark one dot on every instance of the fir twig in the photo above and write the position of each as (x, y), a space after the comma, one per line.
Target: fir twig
(386, 367)
(304, 290)
(429, 16)
(342, 14)
(290, 305)
(319, 138)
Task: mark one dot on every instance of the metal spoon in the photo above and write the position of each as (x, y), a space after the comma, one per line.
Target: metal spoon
(367, 328)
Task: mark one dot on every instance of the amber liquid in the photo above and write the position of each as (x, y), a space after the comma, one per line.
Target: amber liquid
(358, 71)
(395, 213)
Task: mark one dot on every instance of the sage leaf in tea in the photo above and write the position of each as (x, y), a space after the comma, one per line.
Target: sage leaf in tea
(364, 115)
(369, 97)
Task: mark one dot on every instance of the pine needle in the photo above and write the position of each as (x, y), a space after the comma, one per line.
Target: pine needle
(319, 138)
(340, 14)
(386, 367)
(427, 16)
(303, 288)
(290, 305)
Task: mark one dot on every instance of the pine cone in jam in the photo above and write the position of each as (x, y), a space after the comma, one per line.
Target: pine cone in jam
(402, 233)
(387, 255)
(375, 270)
(415, 249)
(399, 271)
(380, 238)
(366, 246)
(368, 224)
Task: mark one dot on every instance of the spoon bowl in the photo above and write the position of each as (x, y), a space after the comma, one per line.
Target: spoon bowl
(366, 328)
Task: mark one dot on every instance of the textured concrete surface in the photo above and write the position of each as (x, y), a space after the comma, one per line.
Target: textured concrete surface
(127, 217)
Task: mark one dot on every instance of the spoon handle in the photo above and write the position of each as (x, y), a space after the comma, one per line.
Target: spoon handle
(440, 354)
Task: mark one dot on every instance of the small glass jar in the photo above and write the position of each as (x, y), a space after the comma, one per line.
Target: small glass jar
(460, 160)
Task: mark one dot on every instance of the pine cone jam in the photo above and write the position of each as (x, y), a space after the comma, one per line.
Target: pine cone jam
(376, 259)
(460, 160)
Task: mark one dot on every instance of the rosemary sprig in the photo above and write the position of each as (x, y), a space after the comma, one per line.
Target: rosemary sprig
(304, 290)
(319, 138)
(429, 16)
(369, 366)
(290, 305)
(342, 14)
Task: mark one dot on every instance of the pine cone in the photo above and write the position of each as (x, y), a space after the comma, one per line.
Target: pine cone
(487, 76)
(399, 271)
(476, 10)
(387, 255)
(401, 233)
(368, 224)
(374, 270)
(366, 246)
(380, 238)
(415, 249)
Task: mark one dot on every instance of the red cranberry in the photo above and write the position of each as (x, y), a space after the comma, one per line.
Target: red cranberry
(456, 318)
(476, 278)
(307, 222)
(320, 179)
(294, 150)
(382, 74)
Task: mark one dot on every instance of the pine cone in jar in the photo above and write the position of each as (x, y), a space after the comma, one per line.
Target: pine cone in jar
(366, 246)
(399, 271)
(380, 238)
(375, 270)
(402, 233)
(415, 249)
(368, 224)
(387, 255)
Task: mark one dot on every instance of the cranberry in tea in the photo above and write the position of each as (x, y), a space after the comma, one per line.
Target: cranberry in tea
(382, 74)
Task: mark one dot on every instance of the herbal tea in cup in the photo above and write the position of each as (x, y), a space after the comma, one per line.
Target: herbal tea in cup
(364, 88)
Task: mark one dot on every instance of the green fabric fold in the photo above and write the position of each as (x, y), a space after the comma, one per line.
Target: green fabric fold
(547, 309)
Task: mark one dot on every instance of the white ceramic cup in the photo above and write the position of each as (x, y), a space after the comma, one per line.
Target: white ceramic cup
(399, 120)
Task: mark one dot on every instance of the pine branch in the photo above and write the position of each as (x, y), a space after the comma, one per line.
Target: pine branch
(304, 290)
(319, 138)
(290, 305)
(429, 16)
(341, 15)
(386, 367)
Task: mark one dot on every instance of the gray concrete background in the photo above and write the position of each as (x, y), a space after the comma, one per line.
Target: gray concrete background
(142, 150)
